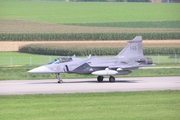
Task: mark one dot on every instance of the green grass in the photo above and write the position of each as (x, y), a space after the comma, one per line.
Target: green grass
(22, 59)
(21, 64)
(165, 59)
(159, 105)
(20, 73)
(85, 12)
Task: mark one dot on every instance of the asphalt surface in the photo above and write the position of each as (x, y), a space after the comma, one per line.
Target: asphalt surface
(14, 87)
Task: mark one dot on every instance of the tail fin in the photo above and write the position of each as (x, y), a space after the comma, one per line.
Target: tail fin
(134, 48)
(74, 56)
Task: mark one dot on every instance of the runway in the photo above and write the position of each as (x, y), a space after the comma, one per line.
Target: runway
(20, 87)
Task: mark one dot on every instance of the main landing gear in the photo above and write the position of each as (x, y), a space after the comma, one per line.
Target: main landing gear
(100, 79)
(58, 76)
(111, 79)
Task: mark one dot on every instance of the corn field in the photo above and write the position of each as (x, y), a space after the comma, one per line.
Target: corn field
(97, 48)
(85, 36)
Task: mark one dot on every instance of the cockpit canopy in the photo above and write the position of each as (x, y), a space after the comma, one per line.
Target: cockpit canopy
(60, 60)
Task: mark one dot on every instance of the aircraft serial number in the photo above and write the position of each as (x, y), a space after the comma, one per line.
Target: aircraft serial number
(133, 48)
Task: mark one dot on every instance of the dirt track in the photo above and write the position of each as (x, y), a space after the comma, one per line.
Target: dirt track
(14, 46)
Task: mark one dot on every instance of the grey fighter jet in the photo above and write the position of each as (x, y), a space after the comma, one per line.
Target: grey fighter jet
(130, 58)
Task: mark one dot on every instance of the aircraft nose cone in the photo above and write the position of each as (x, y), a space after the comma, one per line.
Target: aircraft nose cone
(40, 70)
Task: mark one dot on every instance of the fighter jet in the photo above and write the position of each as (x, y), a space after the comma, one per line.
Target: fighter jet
(130, 58)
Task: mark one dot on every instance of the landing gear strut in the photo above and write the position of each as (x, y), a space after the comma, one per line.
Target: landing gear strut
(111, 79)
(58, 76)
(100, 78)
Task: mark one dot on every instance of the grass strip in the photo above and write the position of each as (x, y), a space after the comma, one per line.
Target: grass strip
(159, 105)
(20, 73)
(16, 59)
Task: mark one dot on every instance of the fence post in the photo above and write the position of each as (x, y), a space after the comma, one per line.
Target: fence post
(41, 60)
(30, 63)
(11, 61)
(175, 56)
(158, 59)
(49, 58)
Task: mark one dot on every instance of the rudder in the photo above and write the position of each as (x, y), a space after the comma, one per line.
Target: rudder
(134, 48)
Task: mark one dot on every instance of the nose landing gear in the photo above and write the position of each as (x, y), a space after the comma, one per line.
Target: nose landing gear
(58, 76)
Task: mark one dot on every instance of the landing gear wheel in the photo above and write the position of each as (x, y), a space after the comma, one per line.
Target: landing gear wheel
(100, 78)
(111, 79)
(60, 81)
(58, 76)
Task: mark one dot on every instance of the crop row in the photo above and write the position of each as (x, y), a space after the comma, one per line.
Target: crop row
(141, 24)
(83, 50)
(109, 1)
(119, 0)
(86, 36)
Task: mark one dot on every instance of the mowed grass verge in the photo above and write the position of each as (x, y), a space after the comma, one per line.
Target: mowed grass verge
(14, 66)
(20, 73)
(159, 105)
(15, 59)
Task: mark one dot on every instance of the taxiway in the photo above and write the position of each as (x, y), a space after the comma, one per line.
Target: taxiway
(14, 87)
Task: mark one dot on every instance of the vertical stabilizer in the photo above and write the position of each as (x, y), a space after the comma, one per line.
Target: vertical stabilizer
(134, 48)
